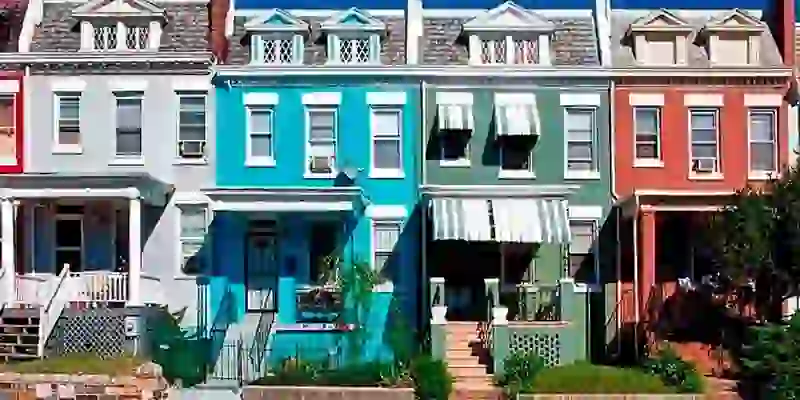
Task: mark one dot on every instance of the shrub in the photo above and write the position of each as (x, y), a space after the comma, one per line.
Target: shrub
(771, 359)
(431, 379)
(674, 371)
(519, 370)
(78, 363)
(596, 379)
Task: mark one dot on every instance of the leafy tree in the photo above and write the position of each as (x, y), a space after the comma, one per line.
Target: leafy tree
(757, 243)
(771, 358)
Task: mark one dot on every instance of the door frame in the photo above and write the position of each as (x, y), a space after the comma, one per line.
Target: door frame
(251, 233)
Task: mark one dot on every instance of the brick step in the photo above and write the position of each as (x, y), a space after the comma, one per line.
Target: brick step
(467, 371)
(461, 352)
(474, 381)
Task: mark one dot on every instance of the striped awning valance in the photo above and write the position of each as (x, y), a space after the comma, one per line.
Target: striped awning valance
(456, 117)
(461, 219)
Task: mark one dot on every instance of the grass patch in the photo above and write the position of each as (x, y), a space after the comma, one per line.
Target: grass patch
(86, 364)
(596, 379)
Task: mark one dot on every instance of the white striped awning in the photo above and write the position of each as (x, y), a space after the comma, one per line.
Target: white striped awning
(461, 219)
(531, 220)
(456, 117)
(516, 120)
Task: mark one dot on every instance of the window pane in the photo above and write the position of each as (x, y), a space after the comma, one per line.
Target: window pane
(386, 236)
(704, 121)
(579, 120)
(381, 260)
(322, 124)
(762, 127)
(387, 154)
(454, 146)
(261, 145)
(71, 257)
(515, 158)
(193, 222)
(646, 120)
(261, 121)
(129, 113)
(579, 151)
(762, 157)
(386, 122)
(704, 135)
(646, 150)
(68, 232)
(69, 133)
(324, 150)
(580, 165)
(193, 133)
(68, 107)
(7, 111)
(704, 151)
(129, 143)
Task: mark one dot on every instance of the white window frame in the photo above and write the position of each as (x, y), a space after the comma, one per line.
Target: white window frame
(542, 43)
(259, 161)
(90, 28)
(376, 137)
(773, 113)
(717, 172)
(376, 224)
(56, 247)
(180, 258)
(582, 174)
(135, 159)
(595, 225)
(373, 46)
(58, 147)
(181, 94)
(258, 45)
(658, 160)
(310, 109)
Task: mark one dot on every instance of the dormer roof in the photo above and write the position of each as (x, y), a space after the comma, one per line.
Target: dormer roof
(118, 9)
(276, 20)
(736, 20)
(353, 19)
(509, 16)
(660, 21)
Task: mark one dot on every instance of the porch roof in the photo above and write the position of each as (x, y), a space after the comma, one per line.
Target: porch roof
(84, 185)
(674, 200)
(284, 199)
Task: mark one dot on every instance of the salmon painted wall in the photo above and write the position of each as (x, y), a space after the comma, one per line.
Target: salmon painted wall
(674, 175)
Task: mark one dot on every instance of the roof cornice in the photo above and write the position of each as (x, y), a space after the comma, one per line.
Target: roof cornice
(257, 71)
(107, 57)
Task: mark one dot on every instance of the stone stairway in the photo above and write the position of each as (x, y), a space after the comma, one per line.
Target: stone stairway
(467, 363)
(703, 358)
(19, 334)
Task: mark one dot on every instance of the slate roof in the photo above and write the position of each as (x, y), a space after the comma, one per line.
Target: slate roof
(622, 53)
(574, 41)
(186, 29)
(393, 42)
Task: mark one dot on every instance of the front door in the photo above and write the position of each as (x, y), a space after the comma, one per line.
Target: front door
(262, 271)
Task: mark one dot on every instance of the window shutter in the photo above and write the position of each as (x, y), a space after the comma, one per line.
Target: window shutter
(333, 49)
(297, 49)
(375, 48)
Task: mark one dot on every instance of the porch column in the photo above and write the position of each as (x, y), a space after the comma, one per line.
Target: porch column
(8, 252)
(647, 259)
(135, 251)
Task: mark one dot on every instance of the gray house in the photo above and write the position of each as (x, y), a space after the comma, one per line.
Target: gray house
(118, 142)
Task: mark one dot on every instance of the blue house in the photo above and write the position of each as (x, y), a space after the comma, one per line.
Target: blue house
(316, 165)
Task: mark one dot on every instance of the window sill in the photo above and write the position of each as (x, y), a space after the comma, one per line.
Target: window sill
(587, 288)
(516, 175)
(648, 163)
(706, 177)
(455, 163)
(67, 150)
(190, 161)
(259, 162)
(386, 174)
(762, 176)
(127, 161)
(309, 175)
(587, 175)
(188, 277)
(8, 161)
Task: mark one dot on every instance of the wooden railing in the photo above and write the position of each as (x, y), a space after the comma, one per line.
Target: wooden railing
(51, 310)
(32, 289)
(100, 286)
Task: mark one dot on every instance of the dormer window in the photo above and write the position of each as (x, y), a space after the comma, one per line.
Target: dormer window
(277, 38)
(353, 37)
(659, 39)
(120, 25)
(733, 39)
(509, 35)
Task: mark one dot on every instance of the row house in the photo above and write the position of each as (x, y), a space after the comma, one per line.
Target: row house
(699, 113)
(121, 139)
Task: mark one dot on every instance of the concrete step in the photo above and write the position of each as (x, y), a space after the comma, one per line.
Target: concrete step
(461, 352)
(470, 361)
(474, 381)
(459, 371)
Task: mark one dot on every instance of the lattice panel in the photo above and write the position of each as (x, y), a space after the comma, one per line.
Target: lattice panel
(278, 51)
(99, 331)
(354, 51)
(136, 37)
(546, 345)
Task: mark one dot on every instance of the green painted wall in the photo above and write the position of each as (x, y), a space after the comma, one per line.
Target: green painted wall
(548, 153)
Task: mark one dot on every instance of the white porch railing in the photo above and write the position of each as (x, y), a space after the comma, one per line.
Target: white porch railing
(54, 306)
(100, 286)
(32, 289)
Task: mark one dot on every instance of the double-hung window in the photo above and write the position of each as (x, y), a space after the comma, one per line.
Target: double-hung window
(385, 235)
(582, 265)
(321, 146)
(8, 129)
(387, 127)
(193, 231)
(68, 132)
(647, 135)
(192, 125)
(580, 127)
(129, 124)
(704, 149)
(763, 146)
(260, 135)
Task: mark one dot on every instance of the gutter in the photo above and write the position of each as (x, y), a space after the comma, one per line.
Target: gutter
(104, 57)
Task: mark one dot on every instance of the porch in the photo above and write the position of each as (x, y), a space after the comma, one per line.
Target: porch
(77, 239)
